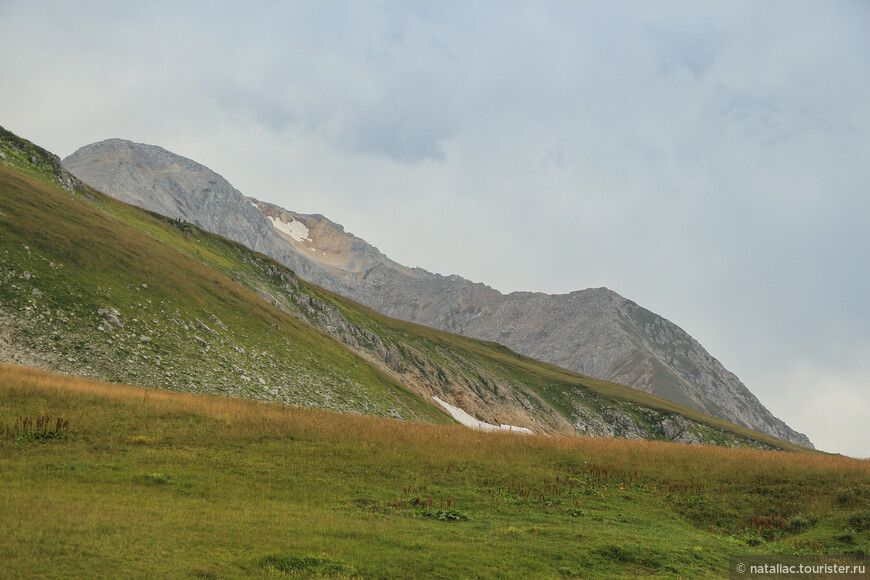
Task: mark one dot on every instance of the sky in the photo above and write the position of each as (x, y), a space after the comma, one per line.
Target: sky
(708, 160)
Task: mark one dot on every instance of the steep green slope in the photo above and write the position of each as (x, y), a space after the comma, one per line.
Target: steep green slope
(83, 292)
(97, 287)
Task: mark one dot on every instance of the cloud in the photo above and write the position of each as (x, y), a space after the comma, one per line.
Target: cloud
(824, 401)
(679, 50)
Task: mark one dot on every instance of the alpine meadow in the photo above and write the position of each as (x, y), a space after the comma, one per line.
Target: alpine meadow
(176, 405)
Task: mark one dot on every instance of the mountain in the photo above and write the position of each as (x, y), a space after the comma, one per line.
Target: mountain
(595, 332)
(95, 287)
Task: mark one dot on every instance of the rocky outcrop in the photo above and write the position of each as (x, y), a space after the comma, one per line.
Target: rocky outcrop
(595, 332)
(21, 153)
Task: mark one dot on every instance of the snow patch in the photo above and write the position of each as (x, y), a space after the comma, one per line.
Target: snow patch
(294, 229)
(470, 421)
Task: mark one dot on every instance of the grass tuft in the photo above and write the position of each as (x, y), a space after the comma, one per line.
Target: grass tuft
(306, 566)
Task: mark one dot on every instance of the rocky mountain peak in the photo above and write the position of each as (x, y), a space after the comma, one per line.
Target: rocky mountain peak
(163, 182)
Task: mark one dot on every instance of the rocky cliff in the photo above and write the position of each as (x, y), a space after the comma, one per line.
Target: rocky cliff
(595, 332)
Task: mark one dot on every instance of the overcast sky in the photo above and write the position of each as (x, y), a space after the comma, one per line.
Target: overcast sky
(707, 160)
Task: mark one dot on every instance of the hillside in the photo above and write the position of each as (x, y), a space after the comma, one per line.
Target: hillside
(147, 483)
(85, 293)
(96, 287)
(595, 332)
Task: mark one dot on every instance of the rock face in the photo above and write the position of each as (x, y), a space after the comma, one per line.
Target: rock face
(168, 184)
(15, 151)
(595, 332)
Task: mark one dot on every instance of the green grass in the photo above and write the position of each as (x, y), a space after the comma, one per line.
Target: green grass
(149, 483)
(67, 258)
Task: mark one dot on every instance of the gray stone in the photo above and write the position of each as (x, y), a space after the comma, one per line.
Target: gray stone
(111, 315)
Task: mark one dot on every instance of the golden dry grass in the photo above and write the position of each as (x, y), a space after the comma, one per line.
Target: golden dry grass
(652, 457)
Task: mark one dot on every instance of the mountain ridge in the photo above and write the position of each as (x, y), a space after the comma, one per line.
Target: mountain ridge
(103, 289)
(595, 331)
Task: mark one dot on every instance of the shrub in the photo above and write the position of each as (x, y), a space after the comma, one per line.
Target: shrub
(452, 514)
(800, 522)
(852, 495)
(860, 520)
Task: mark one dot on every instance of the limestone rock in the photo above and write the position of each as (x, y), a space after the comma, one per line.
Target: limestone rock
(111, 315)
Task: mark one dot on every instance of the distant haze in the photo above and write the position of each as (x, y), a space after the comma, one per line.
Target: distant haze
(707, 160)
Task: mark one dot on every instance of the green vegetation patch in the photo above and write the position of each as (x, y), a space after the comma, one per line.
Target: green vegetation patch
(307, 566)
(96, 287)
(860, 520)
(450, 514)
(41, 428)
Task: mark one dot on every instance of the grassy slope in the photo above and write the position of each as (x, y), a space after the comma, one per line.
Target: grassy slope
(80, 260)
(149, 483)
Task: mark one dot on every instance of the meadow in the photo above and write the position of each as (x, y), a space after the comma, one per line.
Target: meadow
(107, 480)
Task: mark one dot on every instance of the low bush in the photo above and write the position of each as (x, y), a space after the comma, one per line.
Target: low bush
(860, 520)
(454, 515)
